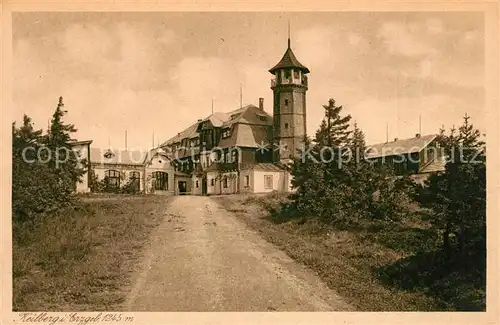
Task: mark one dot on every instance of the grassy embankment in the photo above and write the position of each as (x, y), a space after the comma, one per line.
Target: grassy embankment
(378, 266)
(81, 258)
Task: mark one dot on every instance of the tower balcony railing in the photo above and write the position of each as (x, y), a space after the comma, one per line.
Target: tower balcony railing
(289, 81)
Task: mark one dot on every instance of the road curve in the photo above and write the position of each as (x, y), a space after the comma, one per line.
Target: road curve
(202, 258)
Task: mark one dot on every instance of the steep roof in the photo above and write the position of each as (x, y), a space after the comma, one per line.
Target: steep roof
(399, 147)
(265, 167)
(250, 126)
(246, 135)
(189, 133)
(116, 156)
(124, 157)
(437, 165)
(289, 61)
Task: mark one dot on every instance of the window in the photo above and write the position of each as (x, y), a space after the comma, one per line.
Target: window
(195, 142)
(286, 102)
(268, 181)
(212, 182)
(287, 74)
(226, 133)
(225, 181)
(160, 181)
(286, 125)
(112, 177)
(135, 178)
(295, 74)
(262, 118)
(247, 180)
(197, 184)
(234, 155)
(227, 157)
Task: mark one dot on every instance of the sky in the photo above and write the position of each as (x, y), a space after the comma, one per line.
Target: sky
(154, 74)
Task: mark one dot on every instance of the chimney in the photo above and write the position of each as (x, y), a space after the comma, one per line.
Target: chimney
(395, 139)
(261, 103)
(417, 135)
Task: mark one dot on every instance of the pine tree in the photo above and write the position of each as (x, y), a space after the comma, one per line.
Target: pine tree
(33, 185)
(58, 140)
(458, 196)
(333, 131)
(357, 145)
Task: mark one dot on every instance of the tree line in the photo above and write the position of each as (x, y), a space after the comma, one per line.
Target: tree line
(345, 192)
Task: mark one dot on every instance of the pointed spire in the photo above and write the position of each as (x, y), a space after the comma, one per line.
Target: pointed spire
(289, 42)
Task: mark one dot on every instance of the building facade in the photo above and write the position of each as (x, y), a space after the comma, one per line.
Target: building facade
(246, 150)
(418, 157)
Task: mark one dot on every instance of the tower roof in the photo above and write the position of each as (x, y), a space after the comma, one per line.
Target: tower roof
(289, 61)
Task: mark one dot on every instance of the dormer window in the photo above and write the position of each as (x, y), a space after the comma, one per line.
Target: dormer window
(262, 118)
(226, 133)
(109, 154)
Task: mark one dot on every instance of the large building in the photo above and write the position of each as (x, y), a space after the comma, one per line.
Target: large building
(246, 150)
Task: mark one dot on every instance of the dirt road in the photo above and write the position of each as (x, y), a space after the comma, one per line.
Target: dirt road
(201, 258)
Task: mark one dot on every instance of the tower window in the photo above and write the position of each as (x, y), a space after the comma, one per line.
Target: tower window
(286, 102)
(287, 74)
(295, 74)
(286, 125)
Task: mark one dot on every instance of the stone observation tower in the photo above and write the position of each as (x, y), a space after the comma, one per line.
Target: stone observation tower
(289, 87)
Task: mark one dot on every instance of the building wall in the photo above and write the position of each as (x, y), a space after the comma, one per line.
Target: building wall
(258, 181)
(244, 188)
(160, 163)
(100, 172)
(182, 178)
(289, 120)
(215, 188)
(196, 182)
(82, 151)
(218, 187)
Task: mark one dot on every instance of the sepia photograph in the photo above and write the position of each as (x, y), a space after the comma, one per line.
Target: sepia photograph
(280, 161)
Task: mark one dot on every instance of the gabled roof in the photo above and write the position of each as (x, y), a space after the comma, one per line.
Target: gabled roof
(265, 167)
(398, 147)
(189, 133)
(77, 143)
(249, 133)
(437, 165)
(124, 157)
(289, 61)
(116, 156)
(250, 126)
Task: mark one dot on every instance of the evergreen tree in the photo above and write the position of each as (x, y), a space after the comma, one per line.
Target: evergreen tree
(64, 162)
(333, 131)
(458, 196)
(33, 184)
(44, 168)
